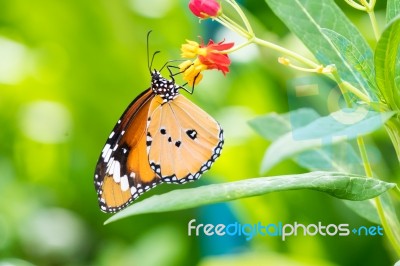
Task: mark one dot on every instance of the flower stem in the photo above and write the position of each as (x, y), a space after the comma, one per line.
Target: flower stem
(242, 16)
(235, 24)
(233, 28)
(369, 8)
(238, 47)
(252, 39)
(357, 92)
(374, 24)
(230, 24)
(286, 52)
(342, 87)
(355, 5)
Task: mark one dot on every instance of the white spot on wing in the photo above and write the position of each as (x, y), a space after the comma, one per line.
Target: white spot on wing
(105, 149)
(111, 135)
(107, 156)
(116, 172)
(124, 183)
(110, 168)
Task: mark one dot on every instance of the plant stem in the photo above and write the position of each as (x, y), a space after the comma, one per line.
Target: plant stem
(368, 172)
(385, 224)
(396, 192)
(233, 28)
(286, 52)
(374, 23)
(305, 61)
(236, 25)
(364, 157)
(342, 87)
(357, 92)
(355, 5)
(242, 16)
(237, 47)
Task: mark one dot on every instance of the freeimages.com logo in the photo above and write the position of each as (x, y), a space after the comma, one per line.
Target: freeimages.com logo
(279, 229)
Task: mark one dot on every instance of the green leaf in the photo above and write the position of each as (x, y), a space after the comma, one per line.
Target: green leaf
(340, 125)
(392, 10)
(353, 58)
(307, 18)
(393, 130)
(343, 186)
(367, 209)
(273, 125)
(387, 72)
(339, 157)
(364, 208)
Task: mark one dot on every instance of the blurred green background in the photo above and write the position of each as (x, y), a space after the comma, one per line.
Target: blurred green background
(68, 69)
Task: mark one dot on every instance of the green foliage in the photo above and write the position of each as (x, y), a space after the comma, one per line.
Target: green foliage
(388, 75)
(351, 187)
(342, 125)
(88, 61)
(393, 9)
(329, 157)
(386, 60)
(353, 59)
(310, 26)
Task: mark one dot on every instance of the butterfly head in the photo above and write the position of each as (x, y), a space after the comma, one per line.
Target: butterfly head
(167, 89)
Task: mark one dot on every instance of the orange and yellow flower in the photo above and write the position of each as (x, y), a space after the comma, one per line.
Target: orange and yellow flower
(210, 56)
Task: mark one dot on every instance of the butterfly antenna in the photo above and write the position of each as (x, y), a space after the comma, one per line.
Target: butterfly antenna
(148, 53)
(152, 59)
(150, 62)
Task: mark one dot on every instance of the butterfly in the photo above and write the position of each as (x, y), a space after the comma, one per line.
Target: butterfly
(162, 137)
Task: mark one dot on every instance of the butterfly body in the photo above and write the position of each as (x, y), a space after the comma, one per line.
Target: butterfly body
(161, 137)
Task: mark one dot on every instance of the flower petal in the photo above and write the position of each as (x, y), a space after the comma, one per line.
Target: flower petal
(205, 8)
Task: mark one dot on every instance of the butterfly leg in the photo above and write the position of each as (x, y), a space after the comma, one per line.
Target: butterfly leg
(167, 64)
(180, 72)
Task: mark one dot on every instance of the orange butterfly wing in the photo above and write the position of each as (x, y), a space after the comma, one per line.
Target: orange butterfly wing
(185, 140)
(123, 172)
(161, 137)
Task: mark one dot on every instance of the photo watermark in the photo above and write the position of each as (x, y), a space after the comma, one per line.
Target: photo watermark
(282, 230)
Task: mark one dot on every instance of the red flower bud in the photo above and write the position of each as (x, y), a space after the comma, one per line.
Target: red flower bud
(205, 8)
